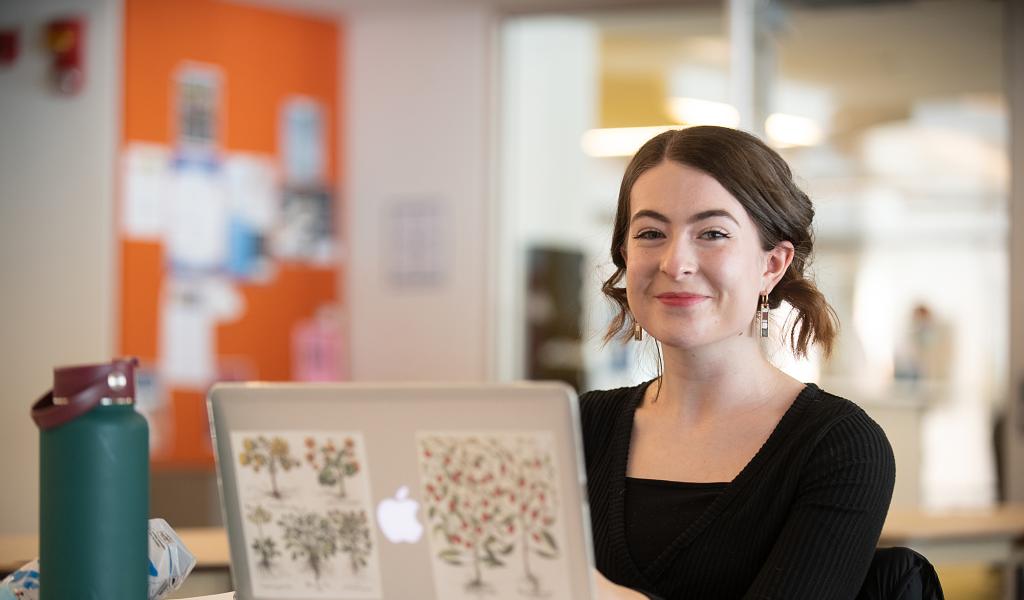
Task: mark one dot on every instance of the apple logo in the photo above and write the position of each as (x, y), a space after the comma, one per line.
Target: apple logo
(397, 518)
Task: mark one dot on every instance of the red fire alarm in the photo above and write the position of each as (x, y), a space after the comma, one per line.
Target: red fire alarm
(8, 47)
(65, 38)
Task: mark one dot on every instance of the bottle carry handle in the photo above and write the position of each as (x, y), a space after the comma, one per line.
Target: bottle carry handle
(48, 414)
(83, 389)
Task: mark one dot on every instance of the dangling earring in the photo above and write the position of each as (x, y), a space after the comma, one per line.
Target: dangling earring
(764, 315)
(638, 332)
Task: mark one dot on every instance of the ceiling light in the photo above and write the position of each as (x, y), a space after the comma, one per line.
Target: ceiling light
(695, 111)
(792, 130)
(619, 141)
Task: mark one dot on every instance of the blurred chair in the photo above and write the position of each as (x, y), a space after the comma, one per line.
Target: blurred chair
(900, 574)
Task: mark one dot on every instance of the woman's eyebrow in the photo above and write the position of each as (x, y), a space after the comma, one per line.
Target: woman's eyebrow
(704, 214)
(715, 212)
(653, 214)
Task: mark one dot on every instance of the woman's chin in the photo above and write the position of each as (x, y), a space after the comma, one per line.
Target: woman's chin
(688, 342)
(695, 342)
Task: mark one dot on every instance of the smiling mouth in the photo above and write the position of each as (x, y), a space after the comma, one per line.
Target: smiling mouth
(680, 299)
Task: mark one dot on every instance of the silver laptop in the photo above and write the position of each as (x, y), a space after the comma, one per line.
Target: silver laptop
(400, 492)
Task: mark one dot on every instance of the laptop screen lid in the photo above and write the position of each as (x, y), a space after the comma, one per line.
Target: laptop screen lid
(402, 491)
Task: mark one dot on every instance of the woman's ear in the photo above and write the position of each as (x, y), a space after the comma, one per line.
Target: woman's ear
(778, 260)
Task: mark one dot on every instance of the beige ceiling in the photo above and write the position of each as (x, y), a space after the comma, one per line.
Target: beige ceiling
(865, 50)
(876, 59)
(340, 7)
(898, 52)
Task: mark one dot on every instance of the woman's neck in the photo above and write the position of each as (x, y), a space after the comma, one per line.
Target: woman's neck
(699, 385)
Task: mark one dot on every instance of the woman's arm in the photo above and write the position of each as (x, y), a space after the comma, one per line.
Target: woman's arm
(826, 545)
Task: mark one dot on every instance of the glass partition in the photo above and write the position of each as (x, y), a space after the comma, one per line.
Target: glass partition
(893, 117)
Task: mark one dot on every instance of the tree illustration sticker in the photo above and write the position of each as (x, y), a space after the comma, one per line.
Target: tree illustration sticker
(532, 503)
(270, 453)
(491, 503)
(464, 505)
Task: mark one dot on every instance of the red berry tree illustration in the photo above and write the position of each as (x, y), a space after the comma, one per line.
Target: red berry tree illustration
(311, 538)
(333, 463)
(531, 499)
(270, 453)
(464, 504)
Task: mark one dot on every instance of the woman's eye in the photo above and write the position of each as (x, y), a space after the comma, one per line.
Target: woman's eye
(648, 234)
(714, 234)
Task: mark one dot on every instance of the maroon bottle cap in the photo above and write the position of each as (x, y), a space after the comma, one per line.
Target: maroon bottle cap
(79, 389)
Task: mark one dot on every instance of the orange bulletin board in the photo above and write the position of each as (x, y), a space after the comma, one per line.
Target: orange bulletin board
(263, 58)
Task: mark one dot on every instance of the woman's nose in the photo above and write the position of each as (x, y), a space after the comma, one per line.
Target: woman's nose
(679, 259)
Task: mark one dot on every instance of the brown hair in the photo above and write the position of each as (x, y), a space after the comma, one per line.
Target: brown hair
(762, 182)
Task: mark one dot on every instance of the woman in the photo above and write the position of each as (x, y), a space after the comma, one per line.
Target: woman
(725, 477)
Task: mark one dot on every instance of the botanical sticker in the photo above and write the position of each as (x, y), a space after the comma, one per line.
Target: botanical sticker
(496, 527)
(307, 514)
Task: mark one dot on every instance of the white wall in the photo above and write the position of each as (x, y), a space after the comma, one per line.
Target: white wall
(552, 193)
(56, 228)
(548, 90)
(418, 129)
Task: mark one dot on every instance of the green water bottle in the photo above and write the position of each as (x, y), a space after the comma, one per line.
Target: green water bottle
(94, 485)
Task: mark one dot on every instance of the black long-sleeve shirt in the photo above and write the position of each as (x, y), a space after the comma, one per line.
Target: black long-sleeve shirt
(801, 520)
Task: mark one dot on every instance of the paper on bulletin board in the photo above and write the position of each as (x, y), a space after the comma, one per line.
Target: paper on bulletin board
(145, 176)
(307, 514)
(190, 312)
(252, 193)
(302, 135)
(316, 347)
(151, 402)
(197, 218)
(197, 106)
(305, 231)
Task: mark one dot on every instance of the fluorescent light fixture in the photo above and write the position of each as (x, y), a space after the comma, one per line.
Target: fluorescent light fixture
(695, 111)
(792, 130)
(619, 141)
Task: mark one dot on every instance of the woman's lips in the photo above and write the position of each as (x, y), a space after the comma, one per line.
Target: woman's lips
(680, 299)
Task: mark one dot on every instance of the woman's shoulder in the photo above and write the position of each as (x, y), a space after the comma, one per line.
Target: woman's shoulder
(600, 409)
(825, 404)
(831, 419)
(601, 417)
(600, 402)
(612, 395)
(846, 450)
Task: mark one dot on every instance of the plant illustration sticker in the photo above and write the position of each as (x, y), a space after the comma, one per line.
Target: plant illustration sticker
(264, 546)
(307, 514)
(495, 524)
(334, 463)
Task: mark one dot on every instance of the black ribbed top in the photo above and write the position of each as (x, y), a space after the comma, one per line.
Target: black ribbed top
(801, 520)
(657, 511)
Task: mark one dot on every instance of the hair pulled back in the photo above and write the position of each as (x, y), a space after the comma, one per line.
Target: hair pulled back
(763, 184)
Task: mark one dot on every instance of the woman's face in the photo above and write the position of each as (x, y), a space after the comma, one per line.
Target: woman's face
(694, 263)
